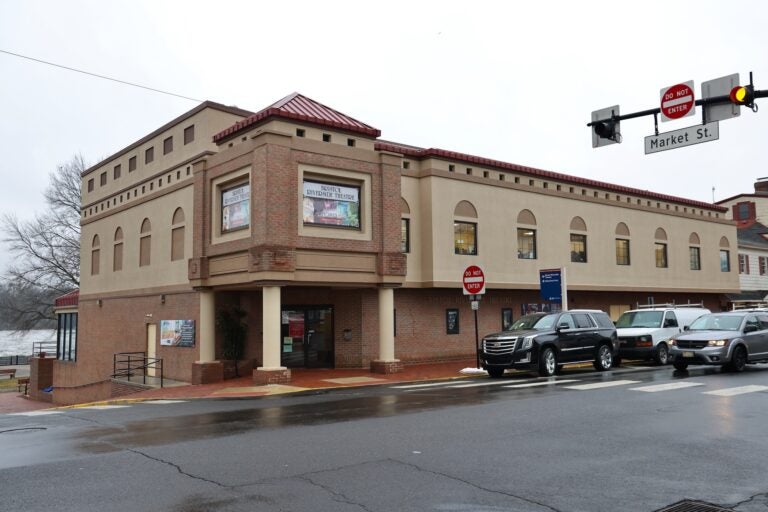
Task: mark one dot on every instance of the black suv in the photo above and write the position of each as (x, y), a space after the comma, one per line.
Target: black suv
(547, 341)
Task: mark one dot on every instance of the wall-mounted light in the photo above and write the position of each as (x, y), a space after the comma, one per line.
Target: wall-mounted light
(162, 299)
(98, 302)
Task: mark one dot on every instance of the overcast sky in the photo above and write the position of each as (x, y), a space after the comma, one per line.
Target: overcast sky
(512, 81)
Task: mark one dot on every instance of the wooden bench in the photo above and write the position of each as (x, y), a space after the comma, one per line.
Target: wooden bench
(23, 381)
(11, 372)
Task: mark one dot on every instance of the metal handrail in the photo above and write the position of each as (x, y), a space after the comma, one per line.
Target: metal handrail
(43, 347)
(125, 364)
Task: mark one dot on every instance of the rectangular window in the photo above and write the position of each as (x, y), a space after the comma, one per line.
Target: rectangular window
(622, 251)
(578, 248)
(177, 243)
(695, 257)
(300, 132)
(116, 172)
(236, 208)
(189, 134)
(452, 321)
(725, 261)
(132, 164)
(661, 255)
(90, 185)
(103, 179)
(66, 337)
(145, 245)
(743, 264)
(331, 204)
(465, 238)
(149, 155)
(526, 244)
(168, 145)
(95, 257)
(405, 235)
(763, 262)
(117, 258)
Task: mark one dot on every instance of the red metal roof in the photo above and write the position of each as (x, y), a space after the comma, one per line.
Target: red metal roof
(298, 107)
(420, 153)
(68, 299)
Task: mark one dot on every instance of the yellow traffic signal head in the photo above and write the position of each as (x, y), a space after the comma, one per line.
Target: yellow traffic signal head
(742, 95)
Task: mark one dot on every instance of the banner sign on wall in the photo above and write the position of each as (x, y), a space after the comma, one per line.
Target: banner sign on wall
(330, 204)
(235, 208)
(177, 333)
(551, 285)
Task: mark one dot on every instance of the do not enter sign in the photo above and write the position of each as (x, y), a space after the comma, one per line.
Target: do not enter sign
(473, 280)
(678, 101)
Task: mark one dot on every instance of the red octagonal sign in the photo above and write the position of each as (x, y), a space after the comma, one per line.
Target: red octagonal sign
(677, 101)
(473, 280)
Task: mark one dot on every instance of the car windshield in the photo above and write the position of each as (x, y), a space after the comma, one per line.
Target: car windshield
(524, 323)
(640, 319)
(717, 323)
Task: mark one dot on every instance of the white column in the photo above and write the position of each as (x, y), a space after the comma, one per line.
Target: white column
(386, 324)
(207, 327)
(271, 321)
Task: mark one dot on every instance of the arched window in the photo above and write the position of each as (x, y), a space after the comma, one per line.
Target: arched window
(622, 244)
(177, 235)
(578, 240)
(145, 243)
(405, 226)
(465, 229)
(526, 235)
(694, 251)
(660, 248)
(725, 255)
(117, 251)
(95, 255)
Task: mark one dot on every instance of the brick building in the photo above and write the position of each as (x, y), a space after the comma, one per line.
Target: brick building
(347, 251)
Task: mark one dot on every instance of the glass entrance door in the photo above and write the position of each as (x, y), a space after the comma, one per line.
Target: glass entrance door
(307, 337)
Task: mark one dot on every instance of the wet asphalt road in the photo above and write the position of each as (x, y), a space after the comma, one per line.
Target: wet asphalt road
(584, 441)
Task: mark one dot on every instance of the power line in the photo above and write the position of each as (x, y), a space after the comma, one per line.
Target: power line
(100, 76)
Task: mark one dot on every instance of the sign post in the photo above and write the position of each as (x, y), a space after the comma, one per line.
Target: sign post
(473, 281)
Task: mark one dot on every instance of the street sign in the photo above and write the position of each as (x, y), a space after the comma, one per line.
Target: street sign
(681, 138)
(551, 285)
(473, 280)
(678, 101)
(720, 87)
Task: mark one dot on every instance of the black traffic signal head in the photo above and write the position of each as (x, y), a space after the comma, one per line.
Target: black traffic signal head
(605, 129)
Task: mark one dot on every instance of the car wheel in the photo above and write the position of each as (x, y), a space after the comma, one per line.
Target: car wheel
(547, 362)
(604, 359)
(662, 354)
(495, 373)
(738, 360)
(680, 366)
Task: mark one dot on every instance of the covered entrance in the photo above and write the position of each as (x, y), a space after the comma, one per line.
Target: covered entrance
(307, 337)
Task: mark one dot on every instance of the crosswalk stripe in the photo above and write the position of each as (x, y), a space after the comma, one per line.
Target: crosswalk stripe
(667, 387)
(34, 413)
(163, 402)
(416, 386)
(598, 385)
(741, 390)
(544, 383)
(100, 407)
(487, 383)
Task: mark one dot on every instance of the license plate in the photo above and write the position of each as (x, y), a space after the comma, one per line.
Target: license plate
(687, 354)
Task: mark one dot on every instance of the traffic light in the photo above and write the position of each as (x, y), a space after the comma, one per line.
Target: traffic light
(743, 95)
(605, 127)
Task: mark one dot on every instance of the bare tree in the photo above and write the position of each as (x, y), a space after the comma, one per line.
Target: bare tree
(46, 250)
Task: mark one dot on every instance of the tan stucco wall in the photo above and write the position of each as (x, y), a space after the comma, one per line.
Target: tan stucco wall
(432, 259)
(162, 271)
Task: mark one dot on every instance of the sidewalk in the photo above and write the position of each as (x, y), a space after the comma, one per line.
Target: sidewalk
(301, 380)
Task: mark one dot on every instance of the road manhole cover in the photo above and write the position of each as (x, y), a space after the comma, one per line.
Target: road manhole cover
(693, 506)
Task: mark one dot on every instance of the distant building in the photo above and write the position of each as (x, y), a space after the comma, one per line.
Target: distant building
(347, 251)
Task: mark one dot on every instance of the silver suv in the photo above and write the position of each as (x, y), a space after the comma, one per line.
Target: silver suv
(730, 340)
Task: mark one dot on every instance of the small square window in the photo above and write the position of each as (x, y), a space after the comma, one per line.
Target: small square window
(517, 180)
(486, 174)
(531, 182)
(469, 171)
(406, 165)
(116, 172)
(132, 164)
(559, 187)
(326, 137)
(189, 134)
(501, 177)
(300, 132)
(178, 175)
(90, 185)
(149, 155)
(168, 145)
(103, 179)
(351, 143)
(570, 189)
(451, 168)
